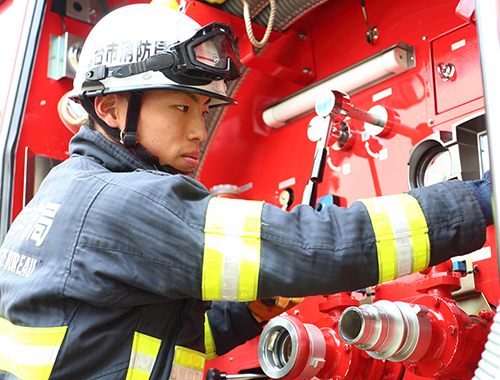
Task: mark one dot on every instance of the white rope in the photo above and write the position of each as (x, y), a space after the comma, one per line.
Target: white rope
(248, 24)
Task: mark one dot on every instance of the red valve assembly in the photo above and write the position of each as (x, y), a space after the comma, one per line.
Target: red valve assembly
(429, 337)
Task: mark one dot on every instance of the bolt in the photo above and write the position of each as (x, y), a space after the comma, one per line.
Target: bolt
(296, 312)
(452, 329)
(487, 315)
(230, 359)
(347, 348)
(436, 301)
(302, 36)
(413, 368)
(430, 121)
(424, 38)
(307, 70)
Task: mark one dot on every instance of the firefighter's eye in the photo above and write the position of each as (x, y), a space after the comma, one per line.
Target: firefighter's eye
(183, 108)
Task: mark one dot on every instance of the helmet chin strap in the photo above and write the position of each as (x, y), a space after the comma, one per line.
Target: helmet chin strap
(128, 136)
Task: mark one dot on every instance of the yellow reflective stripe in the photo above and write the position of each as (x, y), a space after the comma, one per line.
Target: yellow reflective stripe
(188, 364)
(143, 356)
(210, 348)
(231, 260)
(401, 234)
(29, 352)
(386, 249)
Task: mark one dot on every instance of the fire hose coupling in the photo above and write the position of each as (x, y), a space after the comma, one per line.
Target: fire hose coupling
(289, 349)
(396, 331)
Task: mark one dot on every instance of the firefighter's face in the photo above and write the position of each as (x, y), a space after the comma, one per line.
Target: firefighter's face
(171, 124)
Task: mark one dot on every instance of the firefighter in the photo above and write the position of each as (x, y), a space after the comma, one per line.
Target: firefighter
(109, 271)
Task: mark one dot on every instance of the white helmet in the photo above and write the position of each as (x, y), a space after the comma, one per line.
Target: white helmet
(145, 46)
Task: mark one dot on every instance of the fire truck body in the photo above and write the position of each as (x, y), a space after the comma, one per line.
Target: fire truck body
(411, 68)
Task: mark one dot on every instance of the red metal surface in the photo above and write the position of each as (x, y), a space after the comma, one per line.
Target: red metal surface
(264, 158)
(457, 339)
(459, 48)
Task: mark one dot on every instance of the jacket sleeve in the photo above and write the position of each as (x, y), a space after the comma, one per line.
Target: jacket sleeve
(373, 241)
(182, 242)
(230, 324)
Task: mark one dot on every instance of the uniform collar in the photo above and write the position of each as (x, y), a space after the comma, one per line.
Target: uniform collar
(113, 156)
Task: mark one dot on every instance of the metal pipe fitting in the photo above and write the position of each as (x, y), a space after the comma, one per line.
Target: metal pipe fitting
(289, 349)
(395, 331)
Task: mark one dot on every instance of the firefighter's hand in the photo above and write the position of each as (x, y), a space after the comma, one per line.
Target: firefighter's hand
(266, 309)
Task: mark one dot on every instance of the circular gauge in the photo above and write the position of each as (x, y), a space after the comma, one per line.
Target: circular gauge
(435, 167)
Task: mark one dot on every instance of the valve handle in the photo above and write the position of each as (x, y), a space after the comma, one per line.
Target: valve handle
(338, 106)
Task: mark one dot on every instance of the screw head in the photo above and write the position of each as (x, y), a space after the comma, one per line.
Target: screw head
(413, 368)
(452, 329)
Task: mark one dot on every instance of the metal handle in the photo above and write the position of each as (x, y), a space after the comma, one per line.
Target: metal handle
(446, 71)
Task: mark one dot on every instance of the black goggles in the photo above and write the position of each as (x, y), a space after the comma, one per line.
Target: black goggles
(209, 53)
(206, 56)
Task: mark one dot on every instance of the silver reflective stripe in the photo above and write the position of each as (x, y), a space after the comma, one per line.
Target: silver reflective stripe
(180, 372)
(143, 356)
(26, 354)
(188, 364)
(142, 362)
(231, 268)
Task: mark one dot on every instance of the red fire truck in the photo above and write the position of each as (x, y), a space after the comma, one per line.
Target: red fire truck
(415, 91)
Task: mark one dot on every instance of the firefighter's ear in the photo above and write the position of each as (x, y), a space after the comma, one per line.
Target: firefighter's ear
(110, 109)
